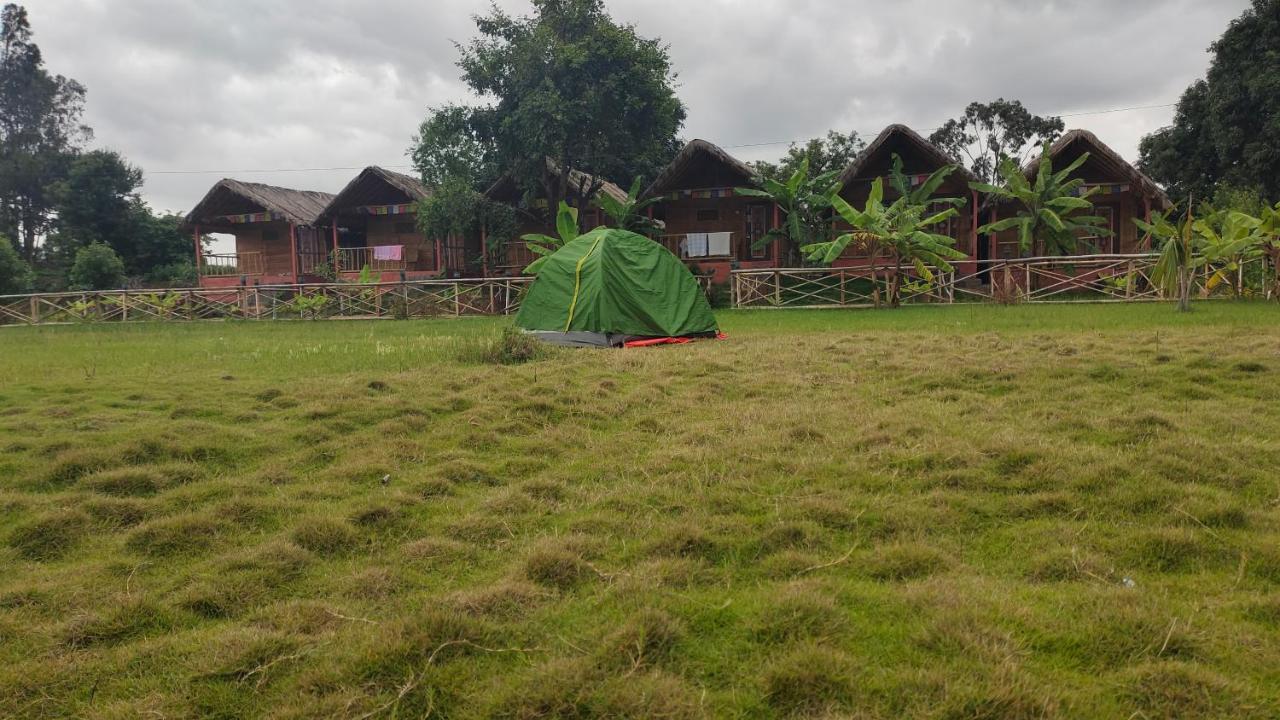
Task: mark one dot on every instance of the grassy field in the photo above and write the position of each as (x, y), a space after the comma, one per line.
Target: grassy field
(956, 512)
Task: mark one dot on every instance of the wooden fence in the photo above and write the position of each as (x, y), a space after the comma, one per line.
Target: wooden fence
(1092, 278)
(412, 299)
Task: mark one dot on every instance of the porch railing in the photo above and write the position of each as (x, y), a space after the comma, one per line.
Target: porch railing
(224, 264)
(411, 299)
(356, 259)
(1092, 278)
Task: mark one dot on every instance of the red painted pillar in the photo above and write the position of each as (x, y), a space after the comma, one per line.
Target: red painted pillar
(439, 257)
(293, 250)
(337, 262)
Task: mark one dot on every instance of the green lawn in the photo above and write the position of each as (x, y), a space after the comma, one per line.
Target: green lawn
(946, 512)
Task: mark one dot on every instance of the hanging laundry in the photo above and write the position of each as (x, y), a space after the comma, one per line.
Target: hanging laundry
(719, 244)
(388, 253)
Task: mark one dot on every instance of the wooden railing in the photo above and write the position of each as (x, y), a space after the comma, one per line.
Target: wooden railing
(412, 299)
(356, 259)
(224, 264)
(1092, 278)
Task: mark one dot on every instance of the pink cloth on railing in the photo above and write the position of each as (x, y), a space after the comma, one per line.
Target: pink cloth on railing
(393, 253)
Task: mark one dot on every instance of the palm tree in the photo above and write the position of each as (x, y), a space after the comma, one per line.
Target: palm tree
(1051, 217)
(901, 231)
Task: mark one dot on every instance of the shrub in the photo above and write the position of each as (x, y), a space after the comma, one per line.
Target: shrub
(173, 275)
(15, 274)
(97, 267)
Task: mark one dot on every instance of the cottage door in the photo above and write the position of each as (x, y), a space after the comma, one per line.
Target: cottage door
(757, 228)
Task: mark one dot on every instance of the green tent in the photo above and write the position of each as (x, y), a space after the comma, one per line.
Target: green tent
(609, 287)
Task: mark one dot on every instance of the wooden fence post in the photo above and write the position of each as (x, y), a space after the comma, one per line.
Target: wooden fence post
(35, 310)
(777, 288)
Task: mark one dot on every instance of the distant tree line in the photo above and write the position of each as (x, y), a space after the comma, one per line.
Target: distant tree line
(62, 205)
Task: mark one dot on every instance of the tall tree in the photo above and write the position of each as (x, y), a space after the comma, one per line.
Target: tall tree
(988, 133)
(832, 153)
(95, 203)
(1226, 127)
(570, 84)
(39, 131)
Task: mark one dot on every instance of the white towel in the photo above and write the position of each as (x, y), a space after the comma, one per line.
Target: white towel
(695, 245)
(719, 244)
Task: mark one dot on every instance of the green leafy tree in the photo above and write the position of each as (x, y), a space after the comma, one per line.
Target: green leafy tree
(902, 232)
(15, 274)
(1052, 216)
(629, 214)
(1225, 128)
(832, 153)
(95, 202)
(568, 84)
(805, 202)
(544, 246)
(454, 145)
(40, 130)
(97, 267)
(1269, 229)
(990, 133)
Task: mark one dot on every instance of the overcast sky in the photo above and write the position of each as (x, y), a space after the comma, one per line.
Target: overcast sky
(235, 86)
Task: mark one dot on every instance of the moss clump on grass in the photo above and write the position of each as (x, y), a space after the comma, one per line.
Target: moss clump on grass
(51, 536)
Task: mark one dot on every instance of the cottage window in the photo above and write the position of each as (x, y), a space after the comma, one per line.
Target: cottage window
(1101, 244)
(711, 215)
(405, 228)
(270, 236)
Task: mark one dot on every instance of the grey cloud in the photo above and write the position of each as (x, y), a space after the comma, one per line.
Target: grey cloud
(240, 85)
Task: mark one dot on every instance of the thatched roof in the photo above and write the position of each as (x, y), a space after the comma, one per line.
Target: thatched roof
(376, 186)
(230, 197)
(900, 133)
(1107, 159)
(690, 153)
(577, 178)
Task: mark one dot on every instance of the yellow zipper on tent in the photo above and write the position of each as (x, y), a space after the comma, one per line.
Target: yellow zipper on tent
(577, 282)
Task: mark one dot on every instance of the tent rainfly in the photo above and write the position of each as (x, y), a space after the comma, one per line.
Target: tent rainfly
(610, 287)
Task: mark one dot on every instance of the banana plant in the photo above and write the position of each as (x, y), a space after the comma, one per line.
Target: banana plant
(901, 231)
(629, 214)
(1269, 229)
(1177, 241)
(804, 201)
(1228, 238)
(544, 246)
(1052, 215)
